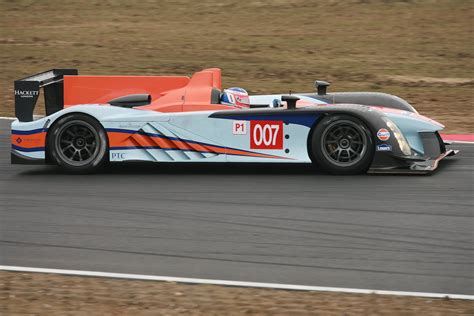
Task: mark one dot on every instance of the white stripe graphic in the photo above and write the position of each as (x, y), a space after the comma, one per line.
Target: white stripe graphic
(233, 283)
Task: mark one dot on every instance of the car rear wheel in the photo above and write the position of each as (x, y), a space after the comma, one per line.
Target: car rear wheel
(342, 144)
(78, 143)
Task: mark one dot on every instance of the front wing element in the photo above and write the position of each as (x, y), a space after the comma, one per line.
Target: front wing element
(416, 167)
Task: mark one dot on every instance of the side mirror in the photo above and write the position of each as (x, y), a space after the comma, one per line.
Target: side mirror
(321, 86)
(131, 100)
(290, 101)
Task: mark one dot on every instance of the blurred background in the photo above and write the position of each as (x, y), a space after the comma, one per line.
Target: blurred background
(421, 50)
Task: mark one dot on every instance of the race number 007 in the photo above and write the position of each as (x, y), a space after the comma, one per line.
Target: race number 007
(266, 135)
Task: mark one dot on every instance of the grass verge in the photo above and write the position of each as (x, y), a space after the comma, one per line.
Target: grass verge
(48, 294)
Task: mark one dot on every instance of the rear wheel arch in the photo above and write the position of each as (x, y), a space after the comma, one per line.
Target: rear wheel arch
(78, 116)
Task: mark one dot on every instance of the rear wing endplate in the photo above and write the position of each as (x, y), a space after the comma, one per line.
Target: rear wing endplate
(27, 91)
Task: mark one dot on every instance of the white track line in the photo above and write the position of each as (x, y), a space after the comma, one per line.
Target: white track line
(7, 118)
(232, 283)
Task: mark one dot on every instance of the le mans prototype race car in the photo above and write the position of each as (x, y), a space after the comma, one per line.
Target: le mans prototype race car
(93, 120)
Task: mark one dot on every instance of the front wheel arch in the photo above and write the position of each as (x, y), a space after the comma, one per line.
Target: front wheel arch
(316, 128)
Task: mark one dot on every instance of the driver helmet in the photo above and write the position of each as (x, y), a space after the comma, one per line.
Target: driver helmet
(236, 97)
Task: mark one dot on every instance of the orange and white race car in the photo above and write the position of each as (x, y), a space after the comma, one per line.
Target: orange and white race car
(93, 120)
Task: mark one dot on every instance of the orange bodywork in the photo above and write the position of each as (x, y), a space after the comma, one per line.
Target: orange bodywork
(168, 94)
(101, 89)
(29, 141)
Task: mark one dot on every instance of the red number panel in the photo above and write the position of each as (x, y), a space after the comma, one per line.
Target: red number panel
(266, 134)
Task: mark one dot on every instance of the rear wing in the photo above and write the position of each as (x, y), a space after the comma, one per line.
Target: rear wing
(27, 91)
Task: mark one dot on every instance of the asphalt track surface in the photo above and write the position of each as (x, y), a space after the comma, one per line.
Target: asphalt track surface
(275, 223)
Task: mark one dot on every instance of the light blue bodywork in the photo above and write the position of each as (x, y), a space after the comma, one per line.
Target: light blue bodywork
(199, 127)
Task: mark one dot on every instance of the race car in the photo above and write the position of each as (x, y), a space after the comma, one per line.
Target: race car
(91, 121)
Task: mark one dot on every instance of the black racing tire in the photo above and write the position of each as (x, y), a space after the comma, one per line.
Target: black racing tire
(342, 144)
(78, 144)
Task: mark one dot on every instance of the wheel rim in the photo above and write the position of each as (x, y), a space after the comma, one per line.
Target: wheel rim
(344, 143)
(77, 143)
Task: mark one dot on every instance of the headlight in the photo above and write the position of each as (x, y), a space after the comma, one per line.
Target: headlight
(402, 142)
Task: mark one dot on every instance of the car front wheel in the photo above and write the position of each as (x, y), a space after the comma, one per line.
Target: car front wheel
(342, 144)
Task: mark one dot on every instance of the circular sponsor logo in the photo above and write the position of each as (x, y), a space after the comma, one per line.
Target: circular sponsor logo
(383, 134)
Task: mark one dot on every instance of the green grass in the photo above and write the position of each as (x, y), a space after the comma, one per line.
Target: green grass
(419, 50)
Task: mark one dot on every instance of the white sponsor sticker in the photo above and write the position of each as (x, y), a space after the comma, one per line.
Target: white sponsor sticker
(239, 127)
